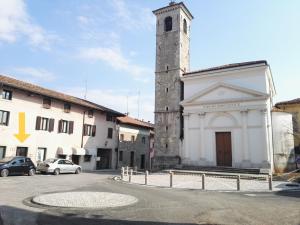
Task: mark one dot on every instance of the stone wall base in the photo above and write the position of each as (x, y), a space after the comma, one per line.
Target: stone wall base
(165, 162)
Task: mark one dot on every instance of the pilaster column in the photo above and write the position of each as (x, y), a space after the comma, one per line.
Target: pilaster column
(245, 136)
(265, 133)
(186, 152)
(202, 136)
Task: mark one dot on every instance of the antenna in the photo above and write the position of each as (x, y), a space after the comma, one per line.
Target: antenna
(138, 104)
(85, 91)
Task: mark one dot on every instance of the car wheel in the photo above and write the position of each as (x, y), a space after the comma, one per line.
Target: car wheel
(78, 171)
(31, 172)
(4, 173)
(56, 172)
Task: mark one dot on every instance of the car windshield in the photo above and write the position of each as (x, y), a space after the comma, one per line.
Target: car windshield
(5, 160)
(50, 160)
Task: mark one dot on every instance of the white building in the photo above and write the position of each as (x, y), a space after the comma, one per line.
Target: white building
(219, 116)
(227, 116)
(58, 125)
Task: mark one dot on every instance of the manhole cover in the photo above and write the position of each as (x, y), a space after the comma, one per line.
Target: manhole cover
(85, 199)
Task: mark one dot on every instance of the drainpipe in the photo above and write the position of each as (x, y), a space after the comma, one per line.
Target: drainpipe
(82, 128)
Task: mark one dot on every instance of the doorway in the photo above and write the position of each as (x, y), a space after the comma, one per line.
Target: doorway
(75, 159)
(103, 158)
(41, 154)
(142, 161)
(131, 159)
(223, 149)
(22, 151)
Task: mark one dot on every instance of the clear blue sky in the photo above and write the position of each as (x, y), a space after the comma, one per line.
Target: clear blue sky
(111, 45)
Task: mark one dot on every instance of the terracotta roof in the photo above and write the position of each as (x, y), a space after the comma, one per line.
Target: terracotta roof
(290, 102)
(228, 66)
(32, 88)
(172, 4)
(135, 122)
(275, 109)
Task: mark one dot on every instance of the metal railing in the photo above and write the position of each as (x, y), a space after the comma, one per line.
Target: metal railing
(127, 171)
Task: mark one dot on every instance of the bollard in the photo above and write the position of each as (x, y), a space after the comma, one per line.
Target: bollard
(130, 175)
(122, 173)
(127, 170)
(203, 181)
(135, 170)
(171, 179)
(238, 182)
(270, 182)
(146, 177)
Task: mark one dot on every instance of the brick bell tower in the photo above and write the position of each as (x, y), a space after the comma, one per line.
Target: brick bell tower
(172, 60)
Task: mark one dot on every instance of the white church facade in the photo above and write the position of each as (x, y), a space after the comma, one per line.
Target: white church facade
(227, 116)
(220, 116)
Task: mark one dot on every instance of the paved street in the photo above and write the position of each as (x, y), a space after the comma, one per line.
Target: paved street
(155, 205)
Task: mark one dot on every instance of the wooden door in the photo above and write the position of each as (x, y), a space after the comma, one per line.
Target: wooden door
(105, 158)
(223, 149)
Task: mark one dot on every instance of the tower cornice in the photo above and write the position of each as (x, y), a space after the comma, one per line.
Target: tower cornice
(172, 7)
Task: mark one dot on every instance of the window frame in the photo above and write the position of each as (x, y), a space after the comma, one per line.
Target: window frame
(168, 24)
(6, 122)
(67, 107)
(44, 124)
(6, 94)
(47, 103)
(110, 133)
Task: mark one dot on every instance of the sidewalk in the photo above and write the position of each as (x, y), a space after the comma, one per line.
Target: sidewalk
(211, 183)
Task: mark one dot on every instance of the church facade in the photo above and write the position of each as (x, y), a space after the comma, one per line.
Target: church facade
(219, 116)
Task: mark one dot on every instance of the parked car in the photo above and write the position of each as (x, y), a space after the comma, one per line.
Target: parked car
(57, 166)
(16, 165)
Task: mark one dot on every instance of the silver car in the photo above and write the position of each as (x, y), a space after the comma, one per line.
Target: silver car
(57, 166)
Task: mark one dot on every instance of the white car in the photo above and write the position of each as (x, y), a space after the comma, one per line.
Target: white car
(57, 166)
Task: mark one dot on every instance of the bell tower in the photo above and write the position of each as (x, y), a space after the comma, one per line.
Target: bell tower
(172, 60)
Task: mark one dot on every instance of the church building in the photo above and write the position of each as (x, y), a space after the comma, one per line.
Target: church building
(219, 116)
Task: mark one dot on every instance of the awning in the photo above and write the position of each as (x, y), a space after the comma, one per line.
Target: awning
(64, 151)
(79, 151)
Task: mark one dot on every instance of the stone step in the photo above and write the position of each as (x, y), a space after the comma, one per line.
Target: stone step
(221, 169)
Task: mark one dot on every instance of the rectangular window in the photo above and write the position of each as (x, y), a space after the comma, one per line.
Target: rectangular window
(89, 130)
(65, 126)
(110, 117)
(6, 94)
(121, 137)
(90, 113)
(67, 107)
(132, 138)
(41, 154)
(144, 140)
(2, 152)
(22, 151)
(4, 117)
(47, 103)
(87, 158)
(110, 133)
(120, 156)
(44, 124)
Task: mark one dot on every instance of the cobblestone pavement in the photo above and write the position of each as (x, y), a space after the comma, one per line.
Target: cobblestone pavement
(155, 206)
(85, 199)
(211, 183)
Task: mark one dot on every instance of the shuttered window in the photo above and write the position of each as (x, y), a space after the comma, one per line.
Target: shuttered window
(6, 94)
(43, 123)
(89, 130)
(65, 126)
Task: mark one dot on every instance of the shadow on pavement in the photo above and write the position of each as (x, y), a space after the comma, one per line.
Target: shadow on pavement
(294, 194)
(16, 216)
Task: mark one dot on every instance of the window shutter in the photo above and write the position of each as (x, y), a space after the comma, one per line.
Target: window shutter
(59, 126)
(71, 127)
(38, 123)
(94, 130)
(51, 125)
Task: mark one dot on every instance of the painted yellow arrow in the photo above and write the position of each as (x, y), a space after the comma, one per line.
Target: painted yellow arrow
(22, 136)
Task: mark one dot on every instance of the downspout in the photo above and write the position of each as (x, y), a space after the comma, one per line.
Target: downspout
(83, 120)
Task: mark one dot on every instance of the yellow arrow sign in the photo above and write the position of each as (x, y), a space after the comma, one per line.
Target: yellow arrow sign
(22, 136)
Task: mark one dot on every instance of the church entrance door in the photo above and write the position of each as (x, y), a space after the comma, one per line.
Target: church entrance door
(223, 149)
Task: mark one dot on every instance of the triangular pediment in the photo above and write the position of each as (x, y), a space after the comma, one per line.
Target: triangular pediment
(223, 92)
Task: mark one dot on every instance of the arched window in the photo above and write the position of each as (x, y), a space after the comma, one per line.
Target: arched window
(184, 26)
(168, 23)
